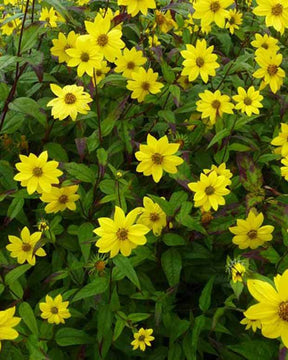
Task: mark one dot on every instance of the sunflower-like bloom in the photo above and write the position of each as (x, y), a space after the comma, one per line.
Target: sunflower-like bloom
(60, 199)
(100, 72)
(272, 307)
(62, 44)
(36, 173)
(70, 101)
(251, 323)
(284, 169)
(220, 170)
(210, 191)
(248, 101)
(130, 61)
(275, 12)
(121, 233)
(142, 339)
(234, 20)
(237, 272)
(136, 6)
(156, 156)
(250, 233)
(49, 17)
(152, 216)
(199, 60)
(10, 26)
(265, 42)
(55, 310)
(212, 11)
(281, 141)
(7, 322)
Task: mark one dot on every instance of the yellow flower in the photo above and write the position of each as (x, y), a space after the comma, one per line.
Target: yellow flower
(275, 12)
(199, 60)
(55, 310)
(212, 11)
(60, 199)
(183, 81)
(265, 42)
(153, 41)
(220, 170)
(129, 62)
(234, 20)
(214, 105)
(249, 232)
(270, 70)
(281, 140)
(43, 225)
(49, 17)
(8, 27)
(237, 271)
(156, 156)
(85, 56)
(142, 339)
(135, 6)
(143, 82)
(272, 307)
(37, 173)
(121, 233)
(248, 102)
(152, 216)
(284, 169)
(100, 72)
(209, 191)
(70, 101)
(250, 323)
(61, 44)
(24, 249)
(164, 21)
(82, 2)
(7, 322)
(108, 42)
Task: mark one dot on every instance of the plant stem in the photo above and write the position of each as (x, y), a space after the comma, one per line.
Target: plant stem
(98, 108)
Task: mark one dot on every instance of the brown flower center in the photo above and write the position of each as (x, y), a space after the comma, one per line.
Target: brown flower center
(70, 99)
(154, 217)
(66, 47)
(247, 101)
(160, 19)
(215, 6)
(277, 9)
(37, 171)
(199, 61)
(216, 104)
(54, 310)
(85, 57)
(102, 40)
(157, 158)
(9, 24)
(122, 234)
(130, 65)
(232, 20)
(47, 19)
(145, 86)
(98, 72)
(26, 247)
(272, 70)
(141, 338)
(283, 310)
(63, 199)
(252, 234)
(100, 265)
(209, 190)
(265, 46)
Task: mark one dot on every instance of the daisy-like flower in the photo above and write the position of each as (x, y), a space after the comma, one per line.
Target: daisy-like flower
(153, 41)
(8, 27)
(265, 42)
(142, 339)
(62, 44)
(55, 310)
(284, 169)
(281, 141)
(210, 191)
(250, 323)
(272, 307)
(199, 60)
(60, 199)
(136, 6)
(37, 173)
(70, 101)
(275, 12)
(49, 17)
(24, 249)
(234, 20)
(85, 56)
(129, 62)
(108, 42)
(249, 232)
(214, 105)
(164, 21)
(43, 225)
(152, 216)
(220, 170)
(142, 83)
(7, 322)
(212, 11)
(248, 101)
(100, 72)
(156, 156)
(270, 70)
(237, 272)
(121, 233)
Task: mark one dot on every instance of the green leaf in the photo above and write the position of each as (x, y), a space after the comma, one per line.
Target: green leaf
(124, 265)
(85, 234)
(15, 207)
(56, 152)
(256, 349)
(119, 327)
(172, 265)
(172, 239)
(138, 317)
(205, 297)
(14, 274)
(30, 36)
(81, 172)
(69, 337)
(197, 328)
(28, 317)
(29, 107)
(96, 287)
(219, 136)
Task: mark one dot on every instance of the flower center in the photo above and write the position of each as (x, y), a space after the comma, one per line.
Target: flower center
(157, 158)
(216, 104)
(209, 190)
(214, 6)
(145, 86)
(130, 65)
(100, 265)
(160, 19)
(247, 101)
(272, 70)
(283, 310)
(154, 217)
(37, 171)
(70, 98)
(265, 46)
(199, 61)
(66, 47)
(10, 24)
(232, 20)
(47, 19)
(277, 9)
(54, 310)
(63, 199)
(252, 234)
(102, 40)
(98, 72)
(141, 338)
(84, 57)
(122, 234)
(26, 247)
